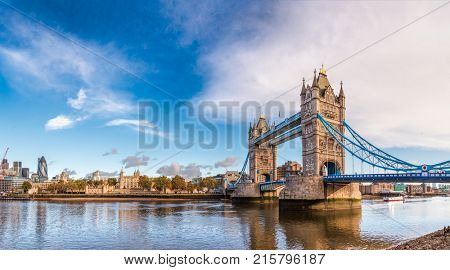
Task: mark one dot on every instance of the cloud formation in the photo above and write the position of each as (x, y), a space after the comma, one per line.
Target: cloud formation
(226, 163)
(59, 122)
(143, 126)
(113, 151)
(135, 161)
(391, 88)
(70, 172)
(103, 173)
(187, 171)
(36, 59)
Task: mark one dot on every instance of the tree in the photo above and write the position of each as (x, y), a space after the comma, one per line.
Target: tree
(190, 187)
(81, 185)
(162, 183)
(70, 186)
(209, 183)
(178, 183)
(145, 182)
(26, 186)
(112, 182)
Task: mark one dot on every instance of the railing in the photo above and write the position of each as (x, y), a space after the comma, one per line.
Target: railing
(424, 177)
(270, 186)
(279, 127)
(291, 134)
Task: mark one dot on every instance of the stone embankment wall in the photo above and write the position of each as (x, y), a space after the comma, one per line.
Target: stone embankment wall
(246, 190)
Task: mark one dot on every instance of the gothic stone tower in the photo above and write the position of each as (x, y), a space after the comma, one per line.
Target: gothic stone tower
(321, 154)
(262, 157)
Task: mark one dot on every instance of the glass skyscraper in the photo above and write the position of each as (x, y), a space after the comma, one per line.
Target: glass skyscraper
(42, 169)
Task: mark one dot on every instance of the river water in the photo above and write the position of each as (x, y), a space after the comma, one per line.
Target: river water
(213, 225)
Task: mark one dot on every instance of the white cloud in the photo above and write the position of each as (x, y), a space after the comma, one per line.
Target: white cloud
(135, 161)
(226, 163)
(397, 91)
(113, 151)
(39, 60)
(143, 126)
(78, 102)
(130, 122)
(187, 171)
(59, 122)
(70, 172)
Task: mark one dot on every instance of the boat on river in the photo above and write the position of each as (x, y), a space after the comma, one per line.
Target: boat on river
(393, 196)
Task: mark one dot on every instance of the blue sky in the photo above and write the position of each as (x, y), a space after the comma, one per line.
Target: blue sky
(72, 95)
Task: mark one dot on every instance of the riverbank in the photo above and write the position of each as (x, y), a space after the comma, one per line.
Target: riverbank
(439, 240)
(120, 197)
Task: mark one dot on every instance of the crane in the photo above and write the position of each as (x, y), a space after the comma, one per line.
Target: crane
(6, 152)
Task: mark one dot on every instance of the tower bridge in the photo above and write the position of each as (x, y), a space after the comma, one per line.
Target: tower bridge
(325, 143)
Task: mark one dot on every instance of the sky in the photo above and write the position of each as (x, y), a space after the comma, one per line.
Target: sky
(170, 87)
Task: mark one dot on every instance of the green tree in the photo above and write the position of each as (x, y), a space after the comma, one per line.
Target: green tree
(81, 185)
(112, 182)
(209, 183)
(190, 187)
(145, 182)
(26, 186)
(70, 186)
(178, 183)
(162, 183)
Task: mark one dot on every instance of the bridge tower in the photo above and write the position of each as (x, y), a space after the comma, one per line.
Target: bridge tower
(321, 154)
(262, 157)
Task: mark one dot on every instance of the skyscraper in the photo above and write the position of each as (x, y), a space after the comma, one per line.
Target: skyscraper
(25, 172)
(5, 164)
(42, 169)
(17, 167)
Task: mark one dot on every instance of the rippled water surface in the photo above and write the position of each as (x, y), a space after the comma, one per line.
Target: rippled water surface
(213, 225)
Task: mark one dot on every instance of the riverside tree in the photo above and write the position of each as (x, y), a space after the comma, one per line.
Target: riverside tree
(178, 183)
(145, 182)
(112, 182)
(190, 187)
(162, 183)
(208, 183)
(26, 186)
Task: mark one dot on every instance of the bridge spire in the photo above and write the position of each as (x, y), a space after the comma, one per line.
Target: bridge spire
(303, 88)
(315, 84)
(341, 91)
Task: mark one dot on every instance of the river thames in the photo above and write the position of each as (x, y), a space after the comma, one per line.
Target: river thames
(214, 225)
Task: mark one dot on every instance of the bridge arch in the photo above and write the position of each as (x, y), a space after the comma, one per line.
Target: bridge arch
(266, 177)
(330, 168)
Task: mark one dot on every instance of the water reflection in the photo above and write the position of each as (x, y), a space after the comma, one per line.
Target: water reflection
(212, 225)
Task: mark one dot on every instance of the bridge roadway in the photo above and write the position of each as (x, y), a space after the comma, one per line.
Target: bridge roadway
(372, 178)
(287, 130)
(424, 177)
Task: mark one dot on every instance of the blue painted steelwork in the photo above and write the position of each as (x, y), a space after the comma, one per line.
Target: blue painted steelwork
(287, 136)
(281, 127)
(369, 156)
(271, 186)
(240, 178)
(423, 177)
(364, 143)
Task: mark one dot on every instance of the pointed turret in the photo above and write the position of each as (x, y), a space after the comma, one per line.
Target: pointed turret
(303, 88)
(341, 91)
(314, 84)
